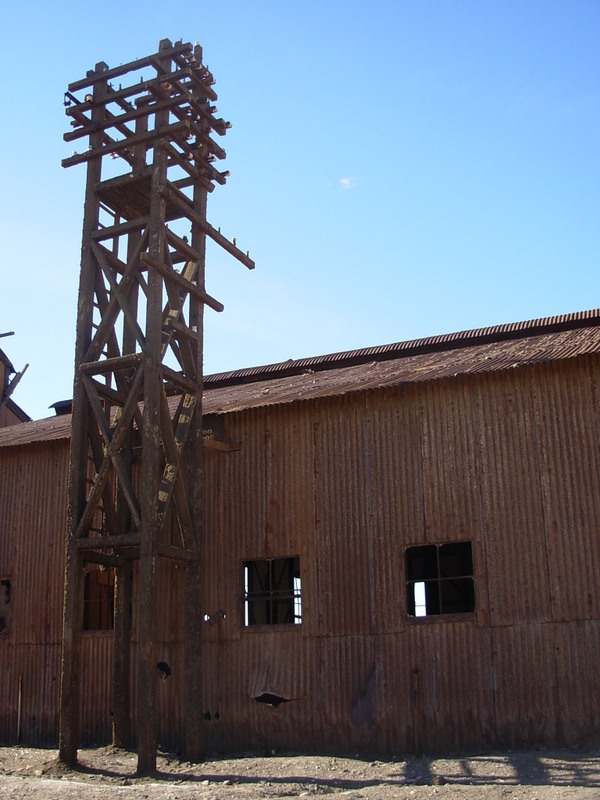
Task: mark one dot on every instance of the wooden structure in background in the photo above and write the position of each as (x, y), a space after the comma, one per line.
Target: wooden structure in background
(139, 344)
(10, 413)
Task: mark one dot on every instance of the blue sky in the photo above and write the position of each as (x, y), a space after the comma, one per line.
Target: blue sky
(398, 170)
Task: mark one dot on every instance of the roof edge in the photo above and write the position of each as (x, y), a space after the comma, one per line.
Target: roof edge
(7, 362)
(17, 411)
(430, 344)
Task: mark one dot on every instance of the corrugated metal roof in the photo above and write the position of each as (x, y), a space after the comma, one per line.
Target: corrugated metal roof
(431, 344)
(482, 350)
(43, 430)
(408, 369)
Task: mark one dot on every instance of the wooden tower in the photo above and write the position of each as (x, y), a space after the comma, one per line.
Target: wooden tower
(136, 448)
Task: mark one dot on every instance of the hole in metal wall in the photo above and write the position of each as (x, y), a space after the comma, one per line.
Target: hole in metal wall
(270, 699)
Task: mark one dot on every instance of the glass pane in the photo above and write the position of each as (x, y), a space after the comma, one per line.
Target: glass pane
(421, 563)
(456, 560)
(458, 595)
(423, 598)
(258, 611)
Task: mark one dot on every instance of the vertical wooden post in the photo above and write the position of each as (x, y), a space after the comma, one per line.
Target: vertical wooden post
(73, 595)
(195, 468)
(123, 574)
(151, 454)
(122, 658)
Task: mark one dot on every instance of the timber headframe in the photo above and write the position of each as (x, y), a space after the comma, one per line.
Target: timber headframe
(137, 397)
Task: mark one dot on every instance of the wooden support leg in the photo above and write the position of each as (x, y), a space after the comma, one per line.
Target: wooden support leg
(147, 671)
(193, 662)
(121, 659)
(71, 657)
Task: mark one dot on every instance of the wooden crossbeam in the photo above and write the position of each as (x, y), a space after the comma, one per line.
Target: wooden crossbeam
(179, 280)
(112, 231)
(180, 199)
(113, 441)
(129, 116)
(111, 313)
(110, 365)
(188, 166)
(172, 483)
(168, 131)
(128, 313)
(103, 73)
(108, 542)
(186, 554)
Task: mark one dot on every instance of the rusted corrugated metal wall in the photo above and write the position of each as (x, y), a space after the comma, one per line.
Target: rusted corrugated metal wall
(32, 507)
(507, 460)
(33, 482)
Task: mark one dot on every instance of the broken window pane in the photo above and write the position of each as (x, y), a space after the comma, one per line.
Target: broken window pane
(439, 579)
(272, 592)
(98, 599)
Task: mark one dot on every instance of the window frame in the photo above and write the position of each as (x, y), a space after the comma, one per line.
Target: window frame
(439, 579)
(272, 595)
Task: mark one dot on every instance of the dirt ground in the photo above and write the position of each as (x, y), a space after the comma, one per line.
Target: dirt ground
(108, 773)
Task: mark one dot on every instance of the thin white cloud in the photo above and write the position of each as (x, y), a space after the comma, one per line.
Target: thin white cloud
(348, 183)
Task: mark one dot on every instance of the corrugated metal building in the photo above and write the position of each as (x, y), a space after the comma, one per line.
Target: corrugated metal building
(401, 554)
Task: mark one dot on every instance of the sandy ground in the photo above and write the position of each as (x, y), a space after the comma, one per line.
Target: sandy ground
(108, 773)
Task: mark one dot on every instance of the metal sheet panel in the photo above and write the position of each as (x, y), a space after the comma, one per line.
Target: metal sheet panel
(526, 684)
(568, 425)
(269, 390)
(32, 514)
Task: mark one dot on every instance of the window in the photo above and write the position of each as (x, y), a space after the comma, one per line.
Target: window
(272, 592)
(439, 579)
(98, 599)
(4, 605)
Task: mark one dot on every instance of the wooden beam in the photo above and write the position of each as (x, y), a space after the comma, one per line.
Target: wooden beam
(109, 542)
(178, 197)
(73, 595)
(189, 287)
(188, 166)
(112, 231)
(105, 559)
(106, 74)
(179, 380)
(224, 447)
(167, 131)
(176, 553)
(111, 364)
(121, 721)
(128, 116)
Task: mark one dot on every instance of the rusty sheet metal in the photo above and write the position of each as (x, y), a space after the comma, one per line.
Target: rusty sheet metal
(29, 677)
(32, 520)
(433, 344)
(347, 483)
(495, 356)
(32, 514)
(96, 687)
(527, 693)
(45, 430)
